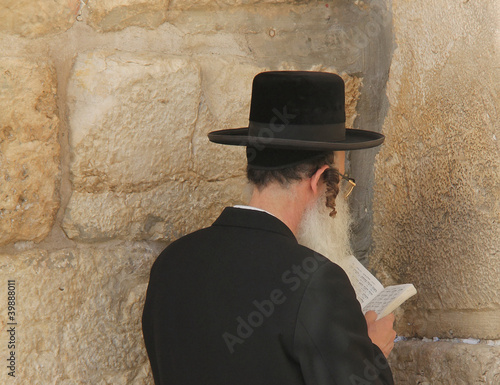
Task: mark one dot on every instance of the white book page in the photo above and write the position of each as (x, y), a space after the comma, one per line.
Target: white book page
(365, 284)
(389, 299)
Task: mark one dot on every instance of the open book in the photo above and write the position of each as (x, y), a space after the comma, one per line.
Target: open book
(370, 292)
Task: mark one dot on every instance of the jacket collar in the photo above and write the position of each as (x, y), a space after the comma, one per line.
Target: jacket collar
(253, 219)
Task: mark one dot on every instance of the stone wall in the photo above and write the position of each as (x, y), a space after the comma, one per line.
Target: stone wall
(104, 110)
(437, 190)
(104, 160)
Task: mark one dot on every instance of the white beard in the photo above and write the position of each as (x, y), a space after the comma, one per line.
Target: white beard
(324, 234)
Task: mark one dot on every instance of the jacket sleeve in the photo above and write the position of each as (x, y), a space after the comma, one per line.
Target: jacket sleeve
(331, 339)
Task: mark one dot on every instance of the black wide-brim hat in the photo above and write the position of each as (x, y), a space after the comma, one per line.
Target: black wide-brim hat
(298, 110)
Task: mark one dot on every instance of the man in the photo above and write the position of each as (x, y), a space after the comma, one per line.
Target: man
(242, 302)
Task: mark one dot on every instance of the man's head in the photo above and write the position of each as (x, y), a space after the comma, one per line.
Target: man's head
(322, 164)
(325, 222)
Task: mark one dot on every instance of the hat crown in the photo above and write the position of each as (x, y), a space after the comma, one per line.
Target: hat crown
(297, 98)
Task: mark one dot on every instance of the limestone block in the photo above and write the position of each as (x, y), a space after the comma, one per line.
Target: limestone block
(132, 117)
(37, 18)
(78, 314)
(278, 33)
(445, 363)
(162, 213)
(353, 85)
(29, 149)
(220, 43)
(227, 90)
(273, 34)
(132, 123)
(211, 160)
(183, 5)
(115, 15)
(449, 323)
(437, 189)
(227, 87)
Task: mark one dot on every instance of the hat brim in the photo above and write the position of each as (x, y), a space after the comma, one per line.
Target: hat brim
(354, 140)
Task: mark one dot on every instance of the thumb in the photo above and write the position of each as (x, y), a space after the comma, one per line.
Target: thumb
(371, 316)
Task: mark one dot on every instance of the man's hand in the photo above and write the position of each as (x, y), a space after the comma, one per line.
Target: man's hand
(381, 332)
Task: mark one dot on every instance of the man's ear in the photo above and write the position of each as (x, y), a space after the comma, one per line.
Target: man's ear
(316, 179)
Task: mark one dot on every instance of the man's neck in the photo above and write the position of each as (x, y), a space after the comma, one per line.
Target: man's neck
(288, 205)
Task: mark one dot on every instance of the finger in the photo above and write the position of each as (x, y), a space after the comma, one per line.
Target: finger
(371, 316)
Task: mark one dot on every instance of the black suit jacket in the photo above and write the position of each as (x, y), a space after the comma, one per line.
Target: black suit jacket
(241, 302)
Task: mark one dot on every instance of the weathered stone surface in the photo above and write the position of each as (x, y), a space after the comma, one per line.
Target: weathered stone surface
(352, 93)
(29, 149)
(136, 124)
(450, 323)
(227, 89)
(134, 176)
(37, 18)
(445, 363)
(183, 5)
(115, 15)
(163, 213)
(132, 117)
(78, 314)
(438, 174)
(335, 34)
